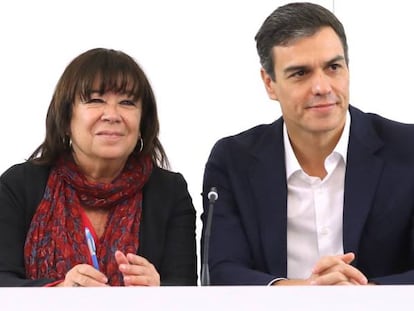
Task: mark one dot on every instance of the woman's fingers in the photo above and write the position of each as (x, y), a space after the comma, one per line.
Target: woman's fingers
(84, 275)
(137, 270)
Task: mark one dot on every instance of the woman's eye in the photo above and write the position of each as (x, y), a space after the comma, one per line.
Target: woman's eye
(94, 101)
(128, 103)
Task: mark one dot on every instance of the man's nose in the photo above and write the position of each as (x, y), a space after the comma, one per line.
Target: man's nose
(321, 84)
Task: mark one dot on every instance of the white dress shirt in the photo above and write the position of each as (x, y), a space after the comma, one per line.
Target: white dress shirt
(315, 208)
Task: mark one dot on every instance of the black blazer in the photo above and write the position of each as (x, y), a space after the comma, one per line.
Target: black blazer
(249, 235)
(167, 231)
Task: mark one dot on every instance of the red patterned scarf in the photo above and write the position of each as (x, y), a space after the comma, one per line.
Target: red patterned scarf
(56, 238)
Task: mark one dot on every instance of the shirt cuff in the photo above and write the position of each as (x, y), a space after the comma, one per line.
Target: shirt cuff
(272, 282)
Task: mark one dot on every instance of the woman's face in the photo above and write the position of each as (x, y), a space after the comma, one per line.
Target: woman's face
(105, 128)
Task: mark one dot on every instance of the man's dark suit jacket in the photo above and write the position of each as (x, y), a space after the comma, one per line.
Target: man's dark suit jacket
(249, 230)
(167, 230)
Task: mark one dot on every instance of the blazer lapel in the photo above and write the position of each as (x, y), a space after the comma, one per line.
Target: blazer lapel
(267, 176)
(362, 175)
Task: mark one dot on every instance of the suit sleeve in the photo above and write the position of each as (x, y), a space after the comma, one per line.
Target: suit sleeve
(234, 240)
(394, 259)
(15, 219)
(179, 263)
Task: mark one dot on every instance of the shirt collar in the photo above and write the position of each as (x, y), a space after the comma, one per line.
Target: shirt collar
(341, 148)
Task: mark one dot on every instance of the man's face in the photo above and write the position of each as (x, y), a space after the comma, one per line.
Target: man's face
(312, 83)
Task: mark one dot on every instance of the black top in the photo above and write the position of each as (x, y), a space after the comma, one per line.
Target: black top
(167, 230)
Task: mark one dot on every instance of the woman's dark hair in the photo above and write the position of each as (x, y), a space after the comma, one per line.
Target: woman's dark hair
(115, 71)
(294, 21)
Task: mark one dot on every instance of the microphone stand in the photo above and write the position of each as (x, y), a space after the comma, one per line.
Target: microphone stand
(205, 271)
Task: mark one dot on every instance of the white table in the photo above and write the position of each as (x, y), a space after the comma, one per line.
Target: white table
(349, 298)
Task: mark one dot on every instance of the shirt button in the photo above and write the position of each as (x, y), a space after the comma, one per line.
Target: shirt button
(324, 231)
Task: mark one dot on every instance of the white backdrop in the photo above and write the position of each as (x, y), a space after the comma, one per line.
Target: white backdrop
(200, 58)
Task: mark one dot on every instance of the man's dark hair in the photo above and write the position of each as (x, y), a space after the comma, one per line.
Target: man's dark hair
(294, 21)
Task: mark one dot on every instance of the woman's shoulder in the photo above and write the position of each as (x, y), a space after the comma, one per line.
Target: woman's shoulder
(167, 183)
(26, 169)
(160, 172)
(166, 192)
(26, 173)
(24, 184)
(161, 177)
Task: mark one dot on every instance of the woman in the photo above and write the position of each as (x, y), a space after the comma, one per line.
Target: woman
(97, 178)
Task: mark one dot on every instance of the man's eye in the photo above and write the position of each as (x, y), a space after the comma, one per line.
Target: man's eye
(335, 66)
(299, 73)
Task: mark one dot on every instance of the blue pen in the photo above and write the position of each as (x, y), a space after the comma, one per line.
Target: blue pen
(92, 248)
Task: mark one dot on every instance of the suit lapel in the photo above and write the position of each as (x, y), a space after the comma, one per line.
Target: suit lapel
(362, 175)
(267, 176)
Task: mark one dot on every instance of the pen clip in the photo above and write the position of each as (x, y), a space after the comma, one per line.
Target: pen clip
(90, 241)
(92, 248)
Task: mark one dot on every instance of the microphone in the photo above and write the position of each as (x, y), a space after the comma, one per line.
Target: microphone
(205, 271)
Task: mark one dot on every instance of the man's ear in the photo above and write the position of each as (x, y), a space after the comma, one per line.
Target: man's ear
(269, 84)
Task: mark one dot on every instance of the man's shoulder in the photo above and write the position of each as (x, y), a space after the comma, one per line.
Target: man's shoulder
(380, 120)
(251, 137)
(395, 137)
(383, 126)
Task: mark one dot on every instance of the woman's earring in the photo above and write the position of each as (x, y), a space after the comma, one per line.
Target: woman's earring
(141, 141)
(67, 142)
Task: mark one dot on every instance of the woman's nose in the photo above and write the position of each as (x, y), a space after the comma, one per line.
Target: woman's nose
(111, 113)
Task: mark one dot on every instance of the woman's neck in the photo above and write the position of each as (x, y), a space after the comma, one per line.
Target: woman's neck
(100, 170)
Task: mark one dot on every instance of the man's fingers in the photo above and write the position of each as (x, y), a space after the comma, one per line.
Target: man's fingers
(327, 262)
(332, 270)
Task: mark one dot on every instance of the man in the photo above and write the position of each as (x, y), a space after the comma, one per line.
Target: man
(325, 194)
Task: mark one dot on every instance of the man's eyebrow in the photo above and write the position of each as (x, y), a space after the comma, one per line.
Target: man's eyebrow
(336, 59)
(291, 69)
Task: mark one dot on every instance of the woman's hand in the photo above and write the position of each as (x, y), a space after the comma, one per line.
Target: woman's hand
(137, 271)
(84, 275)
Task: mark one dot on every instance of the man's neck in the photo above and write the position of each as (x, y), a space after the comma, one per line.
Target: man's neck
(311, 149)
